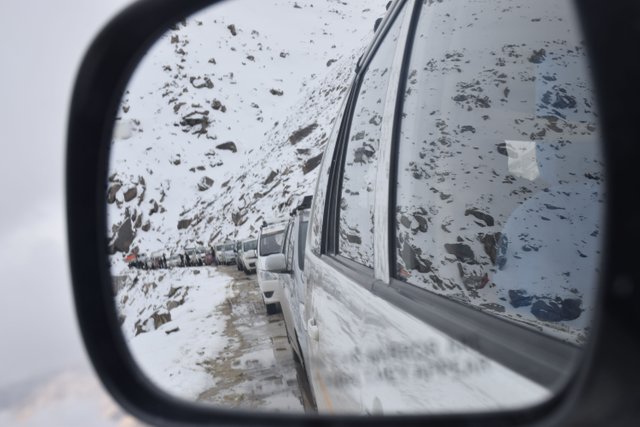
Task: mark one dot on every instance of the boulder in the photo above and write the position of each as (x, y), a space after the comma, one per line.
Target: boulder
(311, 164)
(486, 218)
(130, 194)
(173, 304)
(495, 246)
(206, 82)
(160, 319)
(184, 223)
(138, 222)
(571, 308)
(412, 259)
(423, 225)
(205, 183)
(547, 311)
(538, 56)
(155, 207)
(229, 145)
(124, 237)
(557, 310)
(461, 251)
(270, 178)
(112, 191)
(217, 105)
(519, 298)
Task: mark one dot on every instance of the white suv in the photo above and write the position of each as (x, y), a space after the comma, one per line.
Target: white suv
(248, 256)
(456, 223)
(290, 266)
(270, 241)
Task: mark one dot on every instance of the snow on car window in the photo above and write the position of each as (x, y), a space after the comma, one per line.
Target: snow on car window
(271, 243)
(357, 198)
(500, 177)
(251, 244)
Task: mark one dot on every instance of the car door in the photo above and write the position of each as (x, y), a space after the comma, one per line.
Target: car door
(297, 287)
(450, 261)
(337, 309)
(286, 283)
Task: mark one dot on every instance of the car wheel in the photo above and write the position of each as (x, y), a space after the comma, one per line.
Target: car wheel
(272, 308)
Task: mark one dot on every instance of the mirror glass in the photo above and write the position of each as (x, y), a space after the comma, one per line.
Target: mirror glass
(444, 256)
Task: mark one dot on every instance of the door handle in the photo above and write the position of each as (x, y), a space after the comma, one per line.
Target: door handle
(312, 328)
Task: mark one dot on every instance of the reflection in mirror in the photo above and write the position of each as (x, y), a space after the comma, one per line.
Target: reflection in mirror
(498, 192)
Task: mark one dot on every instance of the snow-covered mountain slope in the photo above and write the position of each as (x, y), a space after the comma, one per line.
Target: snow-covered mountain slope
(225, 120)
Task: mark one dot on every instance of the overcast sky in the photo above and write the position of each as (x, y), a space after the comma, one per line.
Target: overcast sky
(41, 45)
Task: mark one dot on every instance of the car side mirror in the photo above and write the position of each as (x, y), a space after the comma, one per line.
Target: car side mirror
(276, 263)
(605, 382)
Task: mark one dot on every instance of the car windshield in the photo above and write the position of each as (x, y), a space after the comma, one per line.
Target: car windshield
(271, 243)
(251, 244)
(228, 247)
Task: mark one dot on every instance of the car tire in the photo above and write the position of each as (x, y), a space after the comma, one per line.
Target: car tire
(272, 308)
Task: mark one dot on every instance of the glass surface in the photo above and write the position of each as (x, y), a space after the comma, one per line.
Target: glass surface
(251, 244)
(356, 232)
(221, 133)
(271, 243)
(500, 174)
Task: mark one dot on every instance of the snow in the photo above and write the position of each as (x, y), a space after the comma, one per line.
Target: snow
(501, 163)
(162, 149)
(173, 360)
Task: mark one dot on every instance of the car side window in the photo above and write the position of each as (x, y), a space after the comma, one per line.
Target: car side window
(288, 246)
(302, 242)
(355, 227)
(499, 173)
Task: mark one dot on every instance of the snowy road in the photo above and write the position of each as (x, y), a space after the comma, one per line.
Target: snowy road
(256, 369)
(202, 334)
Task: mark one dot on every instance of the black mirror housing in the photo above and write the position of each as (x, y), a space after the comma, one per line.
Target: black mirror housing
(606, 389)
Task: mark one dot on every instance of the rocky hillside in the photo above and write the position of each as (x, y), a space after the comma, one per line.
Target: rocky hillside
(225, 121)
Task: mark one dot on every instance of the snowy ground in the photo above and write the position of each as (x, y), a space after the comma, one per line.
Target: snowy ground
(203, 334)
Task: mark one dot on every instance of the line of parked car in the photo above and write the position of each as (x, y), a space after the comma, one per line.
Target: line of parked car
(242, 253)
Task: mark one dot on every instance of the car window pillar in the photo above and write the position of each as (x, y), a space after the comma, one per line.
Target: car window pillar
(382, 183)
